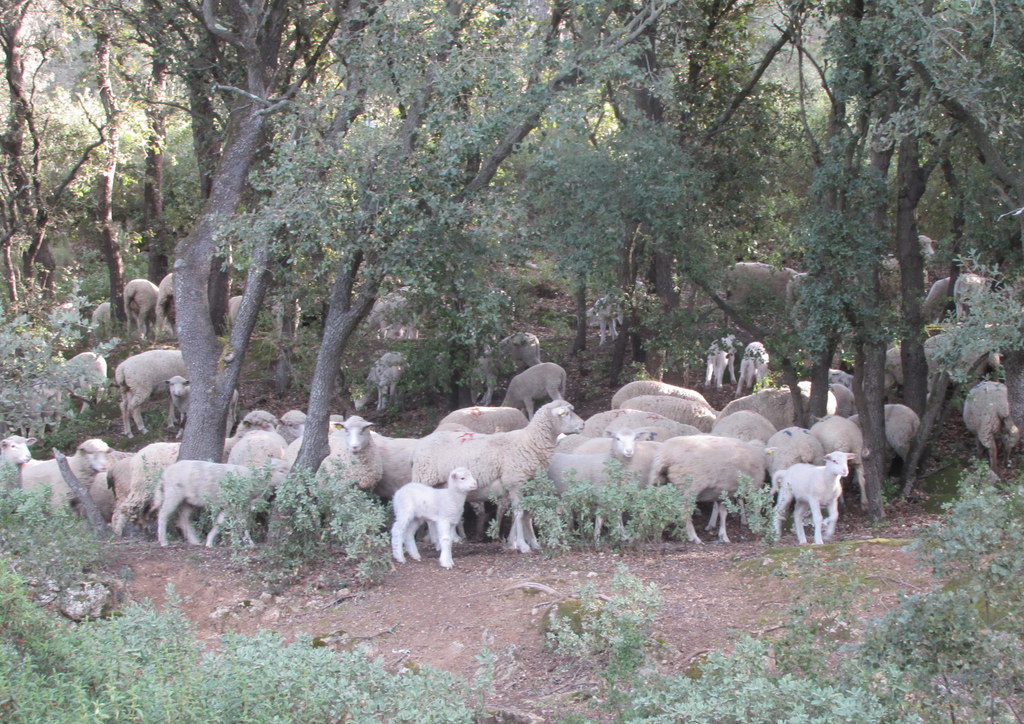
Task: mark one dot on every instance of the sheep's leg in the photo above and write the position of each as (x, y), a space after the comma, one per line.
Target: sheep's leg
(136, 410)
(166, 509)
(185, 525)
(598, 525)
(798, 521)
(397, 540)
(126, 413)
(723, 536)
(816, 517)
(445, 530)
(410, 540)
(528, 404)
(863, 486)
(833, 518)
(211, 537)
(517, 538)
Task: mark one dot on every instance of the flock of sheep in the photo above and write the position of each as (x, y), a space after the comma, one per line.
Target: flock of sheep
(660, 434)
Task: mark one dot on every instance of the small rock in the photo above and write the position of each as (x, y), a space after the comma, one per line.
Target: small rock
(86, 600)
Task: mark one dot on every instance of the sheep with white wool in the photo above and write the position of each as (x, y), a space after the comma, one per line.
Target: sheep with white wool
(744, 425)
(382, 381)
(14, 450)
(966, 292)
(253, 420)
(88, 462)
(721, 357)
(501, 463)
(901, 426)
(256, 447)
(839, 433)
(190, 484)
(134, 490)
(84, 376)
(396, 463)
(987, 415)
(753, 367)
(523, 348)
(846, 403)
(789, 446)
(687, 412)
(775, 405)
(751, 282)
(814, 487)
(355, 453)
(626, 418)
(933, 308)
(589, 462)
(840, 377)
(100, 322)
(142, 376)
(165, 310)
(292, 425)
(440, 508)
(140, 301)
(234, 304)
(703, 468)
(485, 419)
(545, 379)
(638, 388)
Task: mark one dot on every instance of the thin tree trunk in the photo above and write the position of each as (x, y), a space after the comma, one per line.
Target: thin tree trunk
(579, 343)
(105, 181)
(89, 507)
(911, 181)
(153, 224)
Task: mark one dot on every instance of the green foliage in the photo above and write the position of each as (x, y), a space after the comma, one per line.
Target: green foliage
(148, 666)
(756, 502)
(49, 547)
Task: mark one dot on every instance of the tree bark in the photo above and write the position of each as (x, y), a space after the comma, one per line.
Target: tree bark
(912, 182)
(107, 176)
(579, 343)
(153, 223)
(89, 507)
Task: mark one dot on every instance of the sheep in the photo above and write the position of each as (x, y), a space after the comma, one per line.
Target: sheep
(776, 405)
(256, 447)
(396, 463)
(393, 317)
(134, 491)
(189, 484)
(178, 389)
(840, 377)
(141, 376)
(653, 387)
(901, 425)
(165, 310)
(101, 322)
(933, 308)
(846, 404)
(485, 419)
(987, 414)
(789, 446)
(501, 462)
(85, 377)
(838, 433)
(679, 409)
(966, 290)
(753, 367)
(254, 420)
(14, 450)
(744, 425)
(382, 381)
(944, 355)
(752, 282)
(140, 302)
(606, 316)
(545, 379)
(721, 357)
(597, 424)
(355, 453)
(811, 486)
(523, 348)
(589, 461)
(703, 468)
(292, 425)
(89, 460)
(440, 508)
(485, 374)
(234, 304)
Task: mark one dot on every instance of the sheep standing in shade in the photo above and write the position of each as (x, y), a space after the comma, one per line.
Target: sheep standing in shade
(382, 381)
(639, 388)
(292, 425)
(88, 462)
(165, 311)
(775, 405)
(523, 348)
(234, 304)
(484, 419)
(789, 446)
(355, 452)
(100, 323)
(439, 508)
(966, 291)
(134, 490)
(814, 487)
(721, 356)
(545, 379)
(256, 447)
(839, 433)
(744, 425)
(933, 308)
(753, 367)
(85, 378)
(609, 420)
(14, 450)
(140, 300)
(687, 412)
(142, 376)
(987, 415)
(253, 420)
(901, 426)
(501, 463)
(846, 403)
(753, 282)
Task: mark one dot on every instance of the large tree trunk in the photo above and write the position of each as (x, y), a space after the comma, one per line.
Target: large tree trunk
(871, 408)
(153, 225)
(105, 182)
(911, 181)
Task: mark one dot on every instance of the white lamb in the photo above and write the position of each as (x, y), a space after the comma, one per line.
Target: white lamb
(140, 300)
(502, 462)
(811, 486)
(485, 419)
(653, 387)
(753, 367)
(440, 508)
(140, 377)
(382, 381)
(839, 433)
(721, 356)
(987, 415)
(545, 379)
(685, 411)
(189, 484)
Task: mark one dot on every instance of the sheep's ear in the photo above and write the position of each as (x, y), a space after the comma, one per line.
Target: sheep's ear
(609, 433)
(850, 456)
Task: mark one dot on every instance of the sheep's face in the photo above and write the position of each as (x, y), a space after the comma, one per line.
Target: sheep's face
(625, 443)
(838, 463)
(567, 421)
(96, 455)
(14, 449)
(357, 433)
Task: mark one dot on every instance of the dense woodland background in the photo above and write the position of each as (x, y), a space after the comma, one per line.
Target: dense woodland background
(316, 156)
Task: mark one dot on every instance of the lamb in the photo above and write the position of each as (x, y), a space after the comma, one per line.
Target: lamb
(703, 468)
(606, 316)
(292, 425)
(85, 377)
(256, 447)
(178, 389)
(774, 405)
(382, 381)
(189, 484)
(838, 433)
(101, 322)
(140, 301)
(846, 404)
(89, 460)
(523, 348)
(135, 491)
(485, 419)
(355, 453)
(597, 424)
(721, 356)
(653, 387)
(744, 425)
(966, 290)
(688, 412)
(789, 446)
(440, 508)
(753, 367)
(140, 377)
(933, 308)
(501, 462)
(165, 311)
(540, 380)
(987, 414)
(811, 486)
